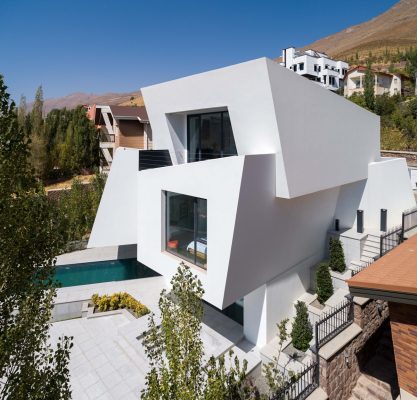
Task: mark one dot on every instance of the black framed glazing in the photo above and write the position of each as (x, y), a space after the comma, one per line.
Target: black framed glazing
(226, 144)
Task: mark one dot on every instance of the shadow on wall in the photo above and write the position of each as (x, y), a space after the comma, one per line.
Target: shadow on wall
(348, 202)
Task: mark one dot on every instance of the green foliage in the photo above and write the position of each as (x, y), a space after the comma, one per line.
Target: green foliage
(324, 285)
(175, 350)
(77, 208)
(63, 144)
(369, 84)
(275, 376)
(119, 300)
(302, 331)
(337, 257)
(29, 240)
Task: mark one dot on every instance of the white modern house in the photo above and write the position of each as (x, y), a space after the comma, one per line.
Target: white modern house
(316, 66)
(250, 167)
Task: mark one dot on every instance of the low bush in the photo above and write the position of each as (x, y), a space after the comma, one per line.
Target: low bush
(119, 300)
(323, 282)
(337, 256)
(302, 331)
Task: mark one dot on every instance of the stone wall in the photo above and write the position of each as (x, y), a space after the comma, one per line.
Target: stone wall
(340, 372)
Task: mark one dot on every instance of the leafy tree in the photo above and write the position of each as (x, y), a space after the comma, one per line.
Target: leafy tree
(369, 84)
(302, 331)
(175, 350)
(324, 285)
(337, 257)
(38, 144)
(275, 375)
(30, 368)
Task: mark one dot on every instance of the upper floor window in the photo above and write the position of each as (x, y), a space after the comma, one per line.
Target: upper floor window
(295, 67)
(315, 67)
(301, 66)
(210, 136)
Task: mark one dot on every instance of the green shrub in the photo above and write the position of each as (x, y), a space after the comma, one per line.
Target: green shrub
(337, 256)
(302, 331)
(323, 282)
(119, 300)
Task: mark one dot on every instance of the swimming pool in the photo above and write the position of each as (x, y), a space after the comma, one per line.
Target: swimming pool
(101, 271)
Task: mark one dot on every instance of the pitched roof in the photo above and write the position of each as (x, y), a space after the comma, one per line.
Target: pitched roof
(129, 112)
(395, 272)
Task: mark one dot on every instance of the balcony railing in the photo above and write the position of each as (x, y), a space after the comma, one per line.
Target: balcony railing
(149, 159)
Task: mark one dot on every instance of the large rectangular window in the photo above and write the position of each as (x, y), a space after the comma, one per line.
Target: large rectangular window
(210, 136)
(186, 227)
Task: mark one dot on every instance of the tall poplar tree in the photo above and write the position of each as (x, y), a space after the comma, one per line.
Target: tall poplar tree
(369, 87)
(29, 240)
(38, 145)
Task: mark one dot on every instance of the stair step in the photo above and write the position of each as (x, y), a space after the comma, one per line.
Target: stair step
(371, 246)
(370, 254)
(359, 263)
(366, 259)
(374, 390)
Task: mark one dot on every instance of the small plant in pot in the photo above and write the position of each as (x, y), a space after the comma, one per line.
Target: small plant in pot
(302, 331)
(337, 261)
(323, 282)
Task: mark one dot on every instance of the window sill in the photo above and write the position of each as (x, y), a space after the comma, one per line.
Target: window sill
(187, 263)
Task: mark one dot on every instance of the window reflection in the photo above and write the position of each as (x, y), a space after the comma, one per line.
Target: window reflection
(186, 227)
(210, 136)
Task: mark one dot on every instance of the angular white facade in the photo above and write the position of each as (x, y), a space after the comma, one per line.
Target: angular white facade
(304, 156)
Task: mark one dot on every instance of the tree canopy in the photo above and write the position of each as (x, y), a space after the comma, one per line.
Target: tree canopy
(30, 368)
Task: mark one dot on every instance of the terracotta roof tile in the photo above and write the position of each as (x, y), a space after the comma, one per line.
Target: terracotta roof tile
(396, 271)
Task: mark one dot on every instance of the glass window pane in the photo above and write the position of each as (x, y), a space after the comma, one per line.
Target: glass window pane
(180, 225)
(193, 138)
(186, 228)
(229, 146)
(211, 139)
(201, 234)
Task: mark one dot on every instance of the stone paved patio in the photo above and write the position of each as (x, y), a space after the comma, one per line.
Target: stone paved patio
(108, 362)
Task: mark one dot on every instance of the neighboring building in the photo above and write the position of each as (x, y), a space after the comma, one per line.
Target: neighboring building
(393, 278)
(384, 82)
(261, 168)
(318, 67)
(124, 126)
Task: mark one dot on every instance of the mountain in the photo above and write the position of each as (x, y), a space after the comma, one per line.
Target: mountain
(74, 99)
(394, 30)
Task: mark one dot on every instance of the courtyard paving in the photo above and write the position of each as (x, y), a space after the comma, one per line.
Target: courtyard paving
(108, 361)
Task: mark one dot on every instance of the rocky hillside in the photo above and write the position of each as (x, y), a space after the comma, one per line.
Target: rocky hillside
(74, 99)
(395, 29)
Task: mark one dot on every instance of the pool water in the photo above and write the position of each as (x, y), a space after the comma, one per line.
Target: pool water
(101, 271)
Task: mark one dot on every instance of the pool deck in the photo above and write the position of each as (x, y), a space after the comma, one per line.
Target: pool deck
(98, 254)
(108, 361)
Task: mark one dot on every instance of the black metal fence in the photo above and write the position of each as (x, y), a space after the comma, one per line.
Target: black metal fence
(409, 220)
(333, 322)
(364, 265)
(390, 240)
(301, 385)
(149, 159)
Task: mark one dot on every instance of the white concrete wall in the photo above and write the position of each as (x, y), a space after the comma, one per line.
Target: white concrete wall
(318, 143)
(388, 186)
(261, 97)
(115, 222)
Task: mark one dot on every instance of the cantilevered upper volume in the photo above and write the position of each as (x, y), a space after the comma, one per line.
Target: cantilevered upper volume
(320, 139)
(251, 164)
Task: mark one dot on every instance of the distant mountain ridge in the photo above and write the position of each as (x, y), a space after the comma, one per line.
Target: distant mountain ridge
(395, 29)
(74, 99)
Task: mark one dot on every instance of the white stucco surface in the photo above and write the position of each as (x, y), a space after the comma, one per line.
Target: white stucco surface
(118, 206)
(305, 157)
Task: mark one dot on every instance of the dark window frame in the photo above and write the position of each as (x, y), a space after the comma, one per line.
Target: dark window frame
(195, 201)
(222, 140)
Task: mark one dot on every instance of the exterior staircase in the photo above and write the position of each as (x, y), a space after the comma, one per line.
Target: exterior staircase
(379, 378)
(370, 250)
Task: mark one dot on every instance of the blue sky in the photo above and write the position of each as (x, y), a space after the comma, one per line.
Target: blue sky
(102, 46)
